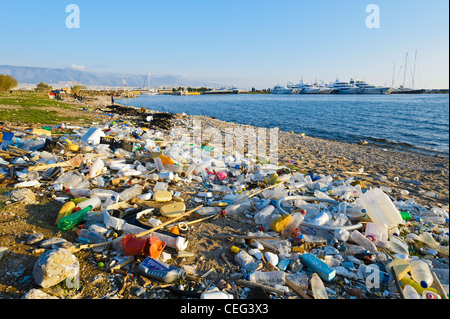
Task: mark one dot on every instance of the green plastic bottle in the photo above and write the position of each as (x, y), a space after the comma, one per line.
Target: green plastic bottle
(70, 221)
(405, 215)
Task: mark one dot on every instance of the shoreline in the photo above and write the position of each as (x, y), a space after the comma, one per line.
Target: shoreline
(416, 173)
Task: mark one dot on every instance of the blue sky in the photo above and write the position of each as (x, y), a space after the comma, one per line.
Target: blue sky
(245, 43)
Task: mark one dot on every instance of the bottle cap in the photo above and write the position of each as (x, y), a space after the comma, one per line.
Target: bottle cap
(424, 284)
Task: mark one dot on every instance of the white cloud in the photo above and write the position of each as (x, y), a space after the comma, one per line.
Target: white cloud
(77, 67)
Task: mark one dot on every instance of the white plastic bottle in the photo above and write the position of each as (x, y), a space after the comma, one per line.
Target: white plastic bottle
(236, 209)
(93, 201)
(267, 277)
(296, 220)
(96, 168)
(420, 272)
(318, 288)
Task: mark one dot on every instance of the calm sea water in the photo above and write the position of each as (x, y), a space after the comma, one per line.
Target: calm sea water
(412, 123)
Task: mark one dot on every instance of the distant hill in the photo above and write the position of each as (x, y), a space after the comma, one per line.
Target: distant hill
(34, 75)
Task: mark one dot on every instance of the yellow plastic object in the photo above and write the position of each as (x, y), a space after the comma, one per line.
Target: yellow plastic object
(166, 159)
(38, 131)
(408, 281)
(173, 210)
(401, 267)
(281, 222)
(162, 196)
(65, 210)
(72, 146)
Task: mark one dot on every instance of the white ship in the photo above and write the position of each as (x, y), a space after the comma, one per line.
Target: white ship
(370, 89)
(305, 88)
(278, 89)
(339, 87)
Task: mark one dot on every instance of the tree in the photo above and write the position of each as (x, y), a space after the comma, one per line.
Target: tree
(7, 82)
(42, 87)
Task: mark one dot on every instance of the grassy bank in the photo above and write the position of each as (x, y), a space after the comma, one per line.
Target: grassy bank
(37, 108)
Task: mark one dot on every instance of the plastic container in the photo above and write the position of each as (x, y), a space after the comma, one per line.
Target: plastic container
(160, 271)
(93, 201)
(96, 168)
(267, 277)
(318, 288)
(380, 209)
(245, 260)
(323, 218)
(363, 241)
(296, 220)
(376, 233)
(408, 281)
(73, 219)
(428, 239)
(420, 272)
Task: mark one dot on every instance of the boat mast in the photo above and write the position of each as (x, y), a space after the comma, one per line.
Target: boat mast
(148, 78)
(393, 75)
(404, 74)
(414, 70)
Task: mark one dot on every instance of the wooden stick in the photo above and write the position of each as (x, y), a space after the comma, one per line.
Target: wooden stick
(296, 289)
(256, 193)
(439, 285)
(170, 221)
(397, 283)
(122, 264)
(245, 237)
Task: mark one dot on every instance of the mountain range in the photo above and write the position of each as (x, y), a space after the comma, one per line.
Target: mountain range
(27, 75)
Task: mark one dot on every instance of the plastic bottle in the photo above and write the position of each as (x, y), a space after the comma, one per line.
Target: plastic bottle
(408, 281)
(159, 164)
(296, 220)
(410, 293)
(236, 209)
(420, 272)
(245, 260)
(78, 192)
(264, 214)
(216, 295)
(267, 277)
(93, 201)
(209, 210)
(92, 237)
(318, 288)
(428, 239)
(160, 271)
(73, 219)
(361, 240)
(323, 218)
(96, 168)
(130, 193)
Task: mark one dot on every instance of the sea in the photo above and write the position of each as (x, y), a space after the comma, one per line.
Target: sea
(417, 123)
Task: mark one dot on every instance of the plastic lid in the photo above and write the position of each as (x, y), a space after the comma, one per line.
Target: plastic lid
(424, 284)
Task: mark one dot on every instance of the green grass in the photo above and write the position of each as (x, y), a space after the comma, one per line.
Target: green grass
(32, 107)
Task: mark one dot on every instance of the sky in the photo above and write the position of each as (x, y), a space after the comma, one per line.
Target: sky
(244, 43)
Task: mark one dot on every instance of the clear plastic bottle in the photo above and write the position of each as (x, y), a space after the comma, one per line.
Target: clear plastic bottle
(264, 214)
(79, 192)
(323, 218)
(363, 241)
(92, 237)
(236, 209)
(296, 220)
(267, 277)
(130, 193)
(209, 210)
(420, 272)
(159, 164)
(318, 288)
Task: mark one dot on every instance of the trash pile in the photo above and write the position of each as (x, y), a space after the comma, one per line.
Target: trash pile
(122, 190)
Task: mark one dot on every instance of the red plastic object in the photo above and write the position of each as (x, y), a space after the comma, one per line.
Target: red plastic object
(133, 246)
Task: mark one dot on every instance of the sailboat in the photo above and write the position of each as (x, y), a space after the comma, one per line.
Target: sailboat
(404, 90)
(149, 91)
